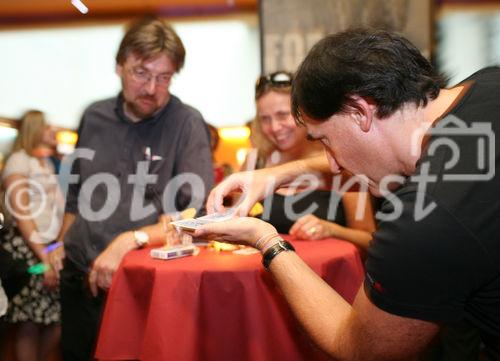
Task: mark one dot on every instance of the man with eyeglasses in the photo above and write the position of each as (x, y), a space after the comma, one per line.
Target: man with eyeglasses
(139, 141)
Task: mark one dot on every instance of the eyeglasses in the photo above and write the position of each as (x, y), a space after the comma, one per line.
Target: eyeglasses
(279, 79)
(141, 76)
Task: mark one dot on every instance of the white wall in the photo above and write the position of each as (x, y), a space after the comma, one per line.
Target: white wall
(468, 41)
(61, 70)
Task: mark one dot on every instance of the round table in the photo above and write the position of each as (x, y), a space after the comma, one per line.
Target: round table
(215, 306)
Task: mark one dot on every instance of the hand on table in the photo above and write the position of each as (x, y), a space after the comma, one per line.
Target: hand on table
(243, 230)
(311, 227)
(106, 264)
(254, 186)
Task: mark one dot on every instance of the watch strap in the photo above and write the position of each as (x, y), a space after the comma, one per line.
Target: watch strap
(274, 250)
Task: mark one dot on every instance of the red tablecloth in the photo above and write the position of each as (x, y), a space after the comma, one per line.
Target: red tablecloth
(215, 306)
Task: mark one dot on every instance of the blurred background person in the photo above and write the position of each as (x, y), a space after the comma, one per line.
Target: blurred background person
(36, 204)
(261, 147)
(278, 139)
(220, 170)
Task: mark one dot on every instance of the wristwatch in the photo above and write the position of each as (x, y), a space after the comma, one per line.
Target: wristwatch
(276, 249)
(141, 238)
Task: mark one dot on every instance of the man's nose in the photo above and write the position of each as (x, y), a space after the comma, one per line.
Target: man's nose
(334, 166)
(150, 86)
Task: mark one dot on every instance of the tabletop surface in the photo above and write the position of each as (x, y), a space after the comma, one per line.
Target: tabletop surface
(215, 306)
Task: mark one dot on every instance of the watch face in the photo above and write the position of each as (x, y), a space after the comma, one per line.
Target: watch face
(141, 238)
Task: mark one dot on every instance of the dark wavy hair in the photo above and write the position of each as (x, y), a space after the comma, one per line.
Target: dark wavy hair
(380, 65)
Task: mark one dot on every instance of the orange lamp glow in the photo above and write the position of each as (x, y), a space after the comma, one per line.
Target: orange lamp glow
(234, 133)
(66, 137)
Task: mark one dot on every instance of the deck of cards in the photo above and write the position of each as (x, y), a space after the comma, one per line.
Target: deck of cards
(174, 252)
(190, 225)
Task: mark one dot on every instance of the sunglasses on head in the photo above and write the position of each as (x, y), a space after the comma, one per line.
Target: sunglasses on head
(277, 79)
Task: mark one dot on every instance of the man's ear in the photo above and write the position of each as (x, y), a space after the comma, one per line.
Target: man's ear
(119, 70)
(362, 110)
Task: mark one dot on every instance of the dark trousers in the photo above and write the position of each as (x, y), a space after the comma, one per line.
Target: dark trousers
(80, 315)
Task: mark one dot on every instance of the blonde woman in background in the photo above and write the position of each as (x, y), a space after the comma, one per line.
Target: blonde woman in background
(36, 204)
(278, 139)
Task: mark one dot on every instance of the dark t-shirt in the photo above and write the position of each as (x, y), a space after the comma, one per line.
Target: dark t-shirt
(440, 259)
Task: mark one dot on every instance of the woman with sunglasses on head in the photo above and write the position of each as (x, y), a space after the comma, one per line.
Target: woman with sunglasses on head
(279, 140)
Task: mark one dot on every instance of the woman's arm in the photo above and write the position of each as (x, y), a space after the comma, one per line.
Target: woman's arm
(358, 210)
(256, 185)
(360, 223)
